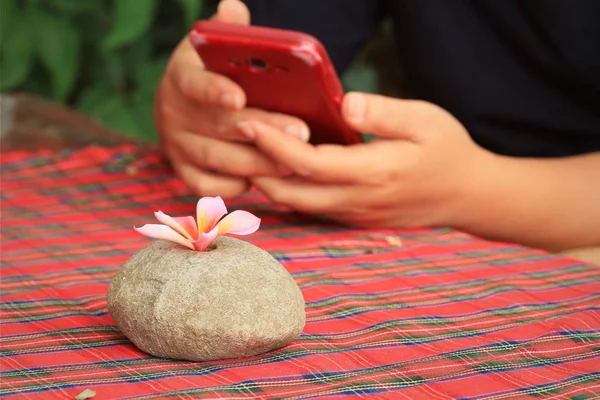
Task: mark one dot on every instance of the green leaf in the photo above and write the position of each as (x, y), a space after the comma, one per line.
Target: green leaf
(139, 53)
(132, 19)
(115, 112)
(148, 75)
(137, 58)
(93, 97)
(144, 118)
(17, 53)
(143, 111)
(7, 10)
(86, 394)
(75, 7)
(59, 48)
(192, 11)
(115, 70)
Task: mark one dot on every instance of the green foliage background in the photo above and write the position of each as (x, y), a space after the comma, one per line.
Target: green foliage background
(104, 57)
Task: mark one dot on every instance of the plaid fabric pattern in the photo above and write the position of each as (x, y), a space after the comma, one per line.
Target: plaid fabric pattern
(444, 315)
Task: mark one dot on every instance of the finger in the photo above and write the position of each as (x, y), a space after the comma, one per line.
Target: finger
(208, 88)
(387, 117)
(194, 81)
(335, 203)
(227, 158)
(197, 84)
(204, 183)
(216, 122)
(226, 125)
(304, 196)
(323, 163)
(232, 11)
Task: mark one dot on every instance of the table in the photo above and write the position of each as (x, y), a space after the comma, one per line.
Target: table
(390, 313)
(30, 122)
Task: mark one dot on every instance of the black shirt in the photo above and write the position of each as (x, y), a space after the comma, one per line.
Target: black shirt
(522, 76)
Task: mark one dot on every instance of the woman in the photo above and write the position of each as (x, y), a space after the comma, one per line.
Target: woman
(502, 139)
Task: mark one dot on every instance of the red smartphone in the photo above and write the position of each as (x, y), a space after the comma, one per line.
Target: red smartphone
(281, 71)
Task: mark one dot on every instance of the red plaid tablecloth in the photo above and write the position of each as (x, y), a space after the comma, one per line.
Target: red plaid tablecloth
(444, 315)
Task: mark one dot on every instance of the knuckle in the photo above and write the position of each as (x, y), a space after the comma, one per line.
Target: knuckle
(375, 180)
(221, 159)
(200, 186)
(279, 197)
(215, 186)
(187, 91)
(170, 151)
(166, 113)
(180, 80)
(205, 186)
(161, 104)
(223, 128)
(195, 86)
(308, 168)
(244, 169)
(304, 172)
(212, 157)
(381, 178)
(212, 90)
(232, 190)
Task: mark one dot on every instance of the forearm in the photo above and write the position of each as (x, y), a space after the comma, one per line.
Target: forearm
(547, 203)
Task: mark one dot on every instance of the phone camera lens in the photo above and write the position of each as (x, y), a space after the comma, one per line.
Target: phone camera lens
(257, 63)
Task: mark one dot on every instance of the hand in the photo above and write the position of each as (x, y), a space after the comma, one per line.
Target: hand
(414, 175)
(197, 113)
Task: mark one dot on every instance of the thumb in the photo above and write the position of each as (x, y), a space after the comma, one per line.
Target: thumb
(232, 11)
(387, 117)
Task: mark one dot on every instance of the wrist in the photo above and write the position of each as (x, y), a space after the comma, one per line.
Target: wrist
(484, 182)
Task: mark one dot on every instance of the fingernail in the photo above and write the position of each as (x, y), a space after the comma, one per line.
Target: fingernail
(356, 108)
(298, 130)
(247, 130)
(230, 100)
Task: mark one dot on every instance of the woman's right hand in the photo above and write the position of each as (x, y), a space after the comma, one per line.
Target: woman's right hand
(197, 113)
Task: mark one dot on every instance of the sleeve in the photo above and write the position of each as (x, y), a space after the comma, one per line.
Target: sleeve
(343, 26)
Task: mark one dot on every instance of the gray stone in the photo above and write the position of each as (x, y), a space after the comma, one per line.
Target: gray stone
(234, 300)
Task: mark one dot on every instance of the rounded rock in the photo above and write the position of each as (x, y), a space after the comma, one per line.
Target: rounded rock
(234, 300)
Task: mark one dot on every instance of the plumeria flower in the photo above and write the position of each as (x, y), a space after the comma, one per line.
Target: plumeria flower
(199, 233)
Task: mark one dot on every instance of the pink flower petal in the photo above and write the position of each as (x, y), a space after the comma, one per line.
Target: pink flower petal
(163, 232)
(189, 224)
(205, 239)
(185, 226)
(239, 223)
(209, 211)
